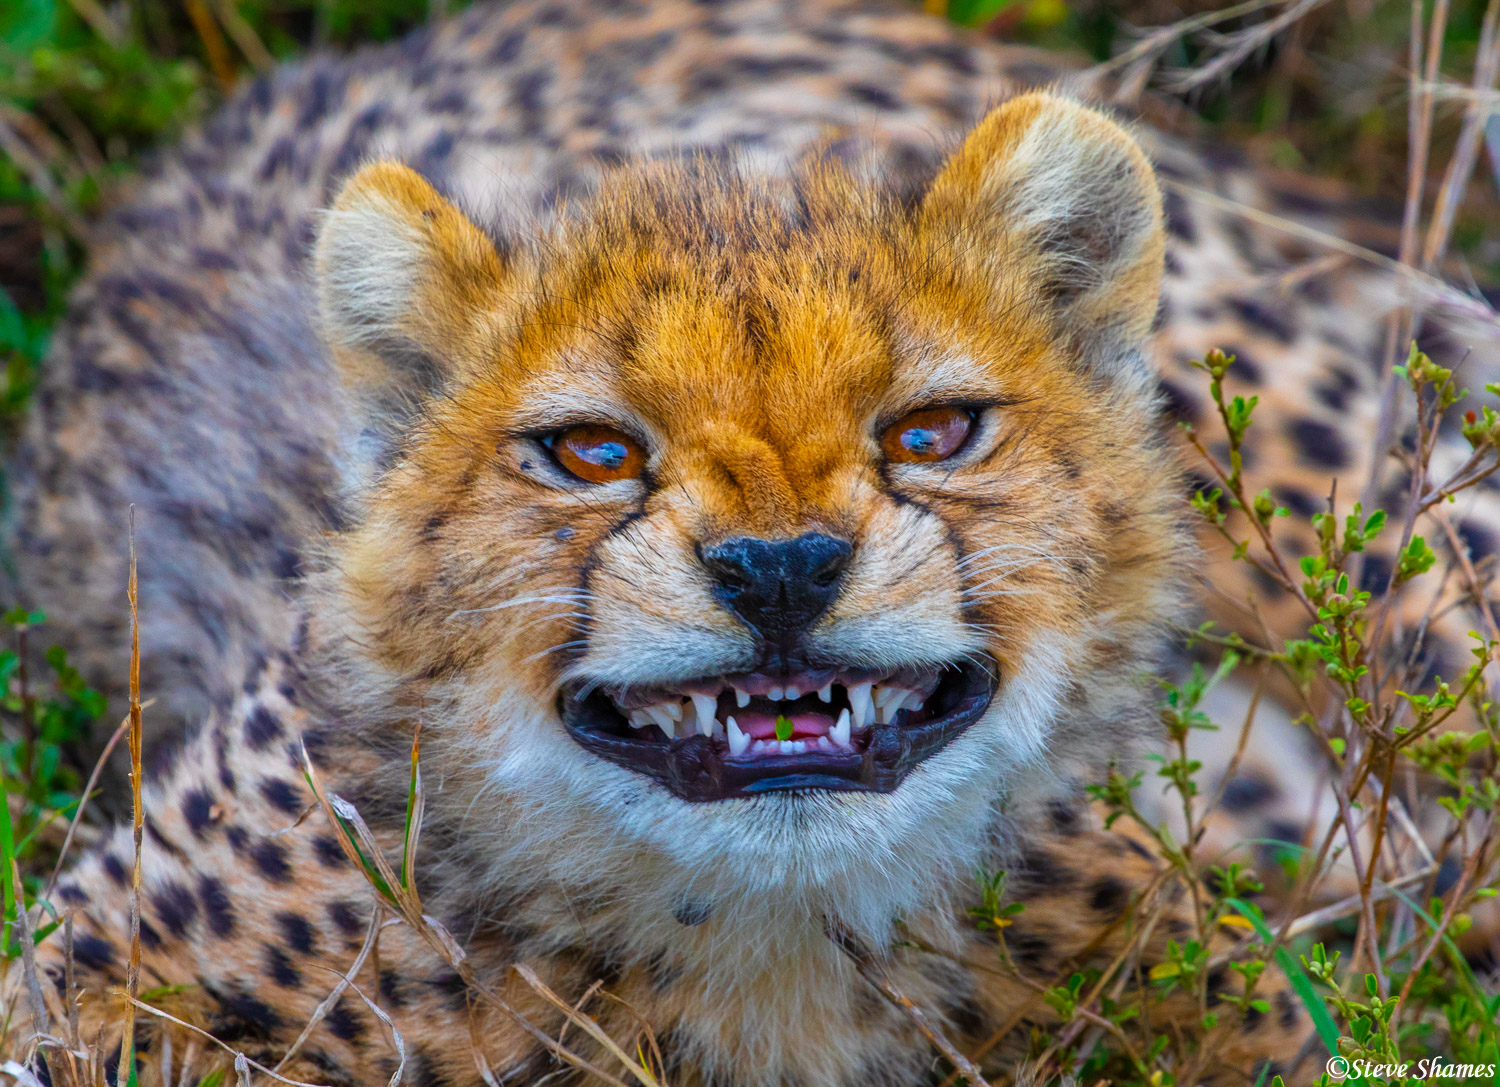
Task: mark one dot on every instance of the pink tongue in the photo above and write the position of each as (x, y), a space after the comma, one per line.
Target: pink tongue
(762, 726)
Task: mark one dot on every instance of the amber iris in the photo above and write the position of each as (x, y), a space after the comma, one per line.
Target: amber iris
(597, 454)
(931, 434)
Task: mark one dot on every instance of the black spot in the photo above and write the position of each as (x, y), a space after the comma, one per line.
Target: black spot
(1287, 1012)
(1245, 368)
(422, 1071)
(282, 795)
(1218, 979)
(1265, 319)
(392, 989)
(693, 912)
(154, 833)
(91, 952)
(873, 95)
(1318, 444)
(1028, 948)
(197, 809)
(1063, 816)
(1246, 791)
(1479, 538)
(328, 851)
(296, 931)
(1280, 830)
(346, 918)
(237, 837)
(453, 988)
(216, 907)
(115, 869)
(176, 907)
(1447, 876)
(262, 729)
(72, 893)
(1179, 219)
(565, 533)
(245, 1016)
(269, 856)
(1043, 870)
(1376, 573)
(279, 968)
(1107, 895)
(1177, 404)
(1334, 393)
(1253, 1016)
(344, 1021)
(1297, 500)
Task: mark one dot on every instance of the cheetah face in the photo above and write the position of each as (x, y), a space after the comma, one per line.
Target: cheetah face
(760, 503)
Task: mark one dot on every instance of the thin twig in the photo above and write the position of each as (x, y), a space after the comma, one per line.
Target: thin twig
(876, 974)
(138, 817)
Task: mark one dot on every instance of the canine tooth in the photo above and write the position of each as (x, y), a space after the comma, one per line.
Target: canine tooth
(839, 734)
(825, 693)
(861, 705)
(742, 697)
(638, 719)
(739, 743)
(658, 713)
(706, 706)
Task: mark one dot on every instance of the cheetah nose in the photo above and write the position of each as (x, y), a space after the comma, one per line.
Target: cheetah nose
(778, 587)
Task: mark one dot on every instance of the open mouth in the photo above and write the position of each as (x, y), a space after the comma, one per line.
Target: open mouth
(752, 733)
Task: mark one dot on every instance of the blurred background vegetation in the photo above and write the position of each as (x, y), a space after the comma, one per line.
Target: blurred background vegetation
(88, 86)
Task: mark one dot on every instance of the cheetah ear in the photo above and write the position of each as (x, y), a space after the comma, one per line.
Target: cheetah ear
(1063, 199)
(407, 285)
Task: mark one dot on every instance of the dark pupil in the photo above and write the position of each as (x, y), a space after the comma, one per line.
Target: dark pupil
(607, 454)
(920, 440)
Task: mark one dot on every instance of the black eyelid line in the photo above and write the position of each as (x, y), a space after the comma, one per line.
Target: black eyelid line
(976, 406)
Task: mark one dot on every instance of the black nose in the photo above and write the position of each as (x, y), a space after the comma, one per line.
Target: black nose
(778, 587)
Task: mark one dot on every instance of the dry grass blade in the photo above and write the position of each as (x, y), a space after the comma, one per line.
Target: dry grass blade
(1429, 288)
(407, 903)
(871, 970)
(201, 1033)
(345, 981)
(587, 1025)
(377, 915)
(1466, 151)
(83, 799)
(138, 820)
(39, 1016)
(1236, 48)
(1140, 58)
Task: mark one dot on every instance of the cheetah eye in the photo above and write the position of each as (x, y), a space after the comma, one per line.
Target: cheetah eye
(929, 435)
(596, 454)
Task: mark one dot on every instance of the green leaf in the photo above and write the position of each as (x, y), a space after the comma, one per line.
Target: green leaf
(972, 12)
(1301, 984)
(783, 727)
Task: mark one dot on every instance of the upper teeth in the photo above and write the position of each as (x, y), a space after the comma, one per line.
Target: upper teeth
(696, 713)
(706, 708)
(663, 716)
(860, 704)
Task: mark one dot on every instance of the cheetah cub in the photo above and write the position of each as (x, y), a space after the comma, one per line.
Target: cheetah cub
(754, 556)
